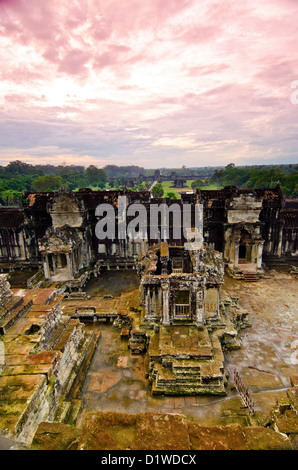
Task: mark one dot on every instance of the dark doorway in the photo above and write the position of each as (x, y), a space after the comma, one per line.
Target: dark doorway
(242, 251)
(63, 260)
(51, 267)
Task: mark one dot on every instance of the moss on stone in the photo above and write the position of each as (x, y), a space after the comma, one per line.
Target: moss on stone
(55, 436)
(259, 438)
(228, 437)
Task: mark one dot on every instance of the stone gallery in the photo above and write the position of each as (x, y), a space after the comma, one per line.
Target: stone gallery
(147, 333)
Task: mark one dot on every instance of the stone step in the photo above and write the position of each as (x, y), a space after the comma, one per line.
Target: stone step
(9, 304)
(78, 375)
(57, 334)
(191, 389)
(10, 319)
(75, 410)
(250, 277)
(64, 337)
(63, 412)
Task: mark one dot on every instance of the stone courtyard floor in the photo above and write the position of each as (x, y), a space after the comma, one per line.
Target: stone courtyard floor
(116, 381)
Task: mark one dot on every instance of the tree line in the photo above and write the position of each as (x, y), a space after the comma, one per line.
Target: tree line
(258, 178)
(17, 177)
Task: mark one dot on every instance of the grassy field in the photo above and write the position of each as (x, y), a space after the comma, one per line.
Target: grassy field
(168, 189)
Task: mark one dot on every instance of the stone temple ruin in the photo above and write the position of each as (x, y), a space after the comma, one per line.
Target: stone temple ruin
(58, 231)
(44, 351)
(184, 321)
(180, 291)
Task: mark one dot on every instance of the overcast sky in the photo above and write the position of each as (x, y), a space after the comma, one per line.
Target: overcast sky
(155, 83)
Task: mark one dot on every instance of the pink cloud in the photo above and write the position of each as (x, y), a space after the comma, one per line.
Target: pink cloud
(209, 68)
(200, 34)
(73, 62)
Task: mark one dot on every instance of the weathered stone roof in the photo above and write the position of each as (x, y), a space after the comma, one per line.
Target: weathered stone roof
(11, 217)
(90, 198)
(221, 197)
(290, 218)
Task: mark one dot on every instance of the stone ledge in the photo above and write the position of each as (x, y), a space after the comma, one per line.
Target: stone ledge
(154, 431)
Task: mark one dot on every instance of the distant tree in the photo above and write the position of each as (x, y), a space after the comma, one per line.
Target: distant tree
(47, 183)
(217, 176)
(96, 176)
(19, 167)
(172, 196)
(197, 184)
(229, 166)
(10, 197)
(157, 190)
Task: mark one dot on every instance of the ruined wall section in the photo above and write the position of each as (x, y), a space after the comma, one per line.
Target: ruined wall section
(43, 354)
(15, 238)
(66, 210)
(223, 209)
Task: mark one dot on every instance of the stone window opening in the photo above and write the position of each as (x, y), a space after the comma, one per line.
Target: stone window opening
(182, 304)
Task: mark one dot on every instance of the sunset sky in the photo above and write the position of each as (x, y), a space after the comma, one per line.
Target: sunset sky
(155, 83)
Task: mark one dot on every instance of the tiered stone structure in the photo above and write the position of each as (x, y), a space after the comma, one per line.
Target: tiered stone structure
(189, 327)
(43, 353)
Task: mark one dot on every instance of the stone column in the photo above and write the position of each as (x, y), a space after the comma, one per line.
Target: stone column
(160, 297)
(236, 253)
(147, 300)
(259, 255)
(46, 267)
(200, 308)
(279, 247)
(165, 304)
(227, 249)
(69, 265)
(22, 245)
(252, 257)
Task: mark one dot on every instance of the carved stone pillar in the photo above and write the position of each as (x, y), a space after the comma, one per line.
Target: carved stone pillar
(165, 304)
(147, 300)
(69, 265)
(236, 253)
(46, 267)
(279, 247)
(200, 308)
(259, 255)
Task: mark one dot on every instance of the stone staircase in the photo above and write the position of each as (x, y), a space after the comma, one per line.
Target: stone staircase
(186, 379)
(12, 307)
(246, 276)
(250, 277)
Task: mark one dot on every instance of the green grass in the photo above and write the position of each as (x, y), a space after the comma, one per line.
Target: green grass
(168, 189)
